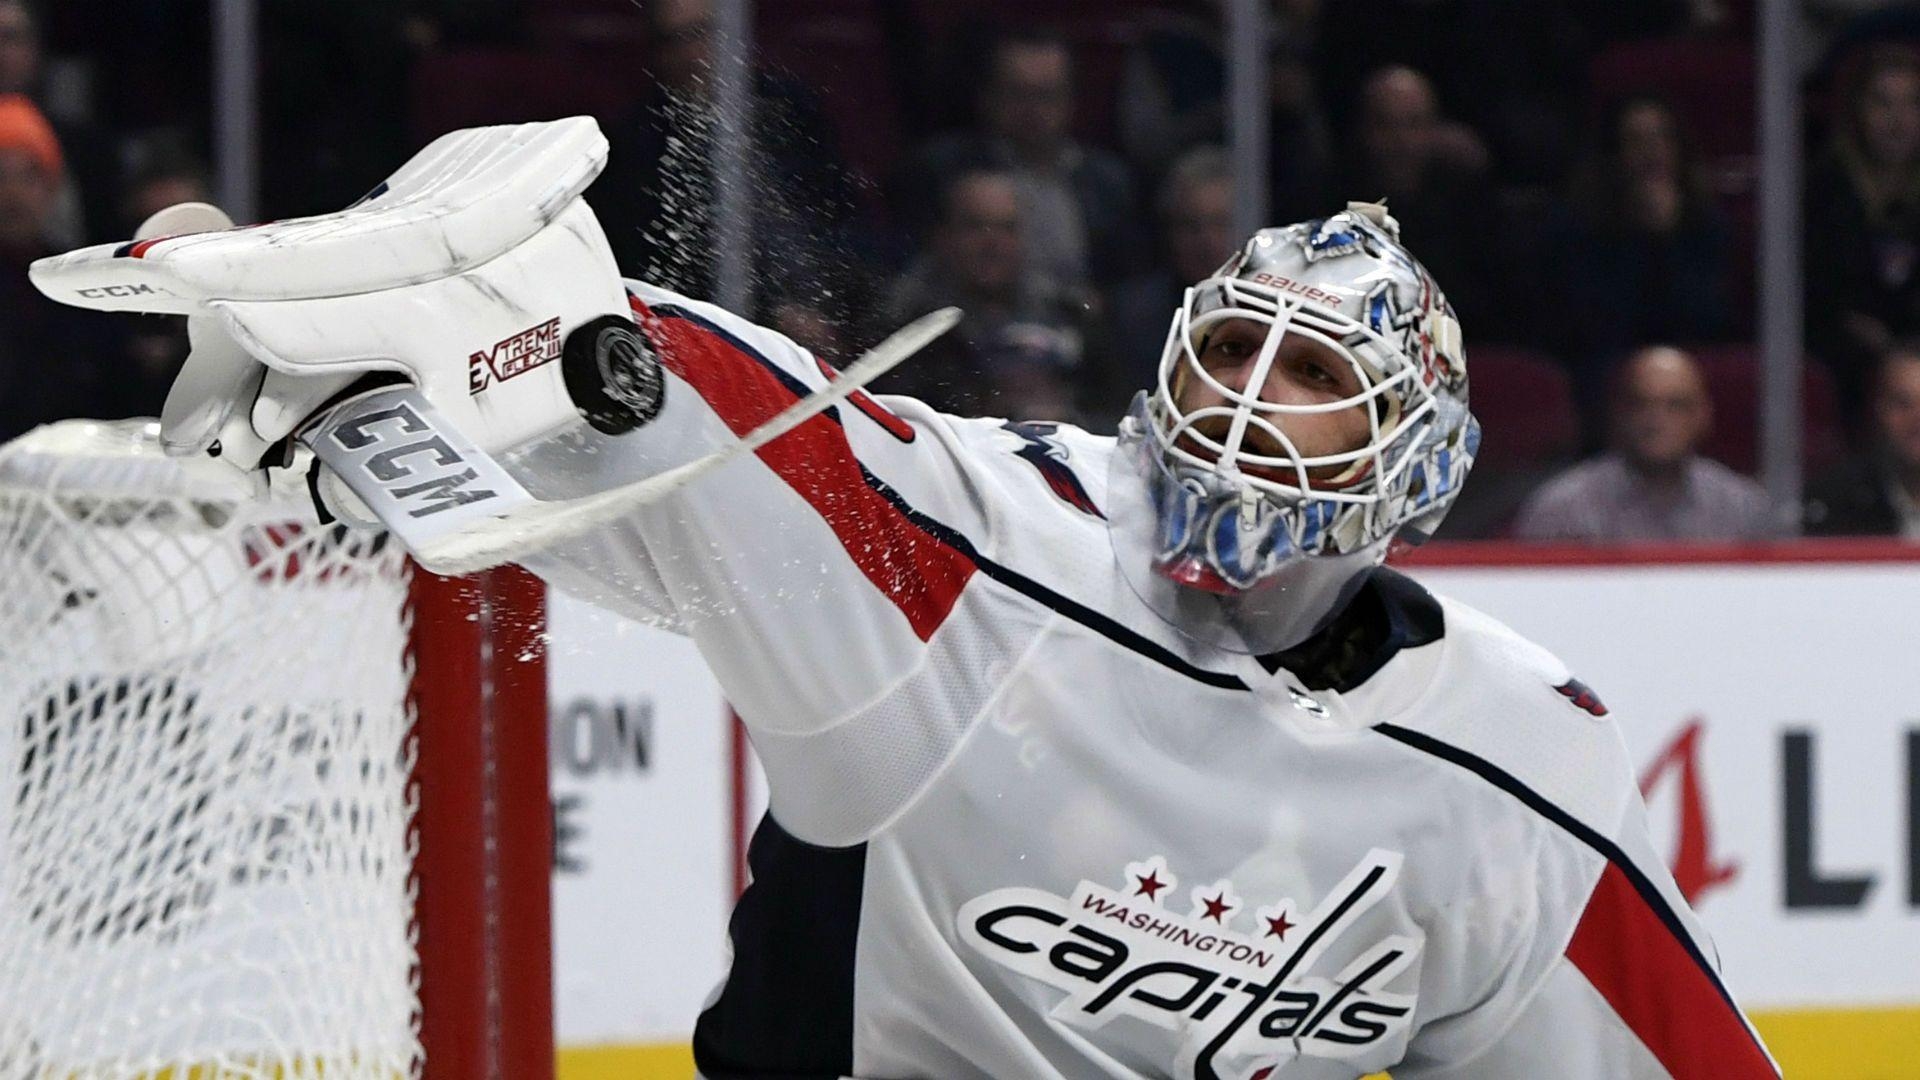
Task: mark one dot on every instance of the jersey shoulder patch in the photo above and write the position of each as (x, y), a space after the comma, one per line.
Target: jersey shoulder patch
(1043, 486)
(1041, 468)
(1042, 446)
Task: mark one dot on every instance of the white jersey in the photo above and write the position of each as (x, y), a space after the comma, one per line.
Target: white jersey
(1021, 827)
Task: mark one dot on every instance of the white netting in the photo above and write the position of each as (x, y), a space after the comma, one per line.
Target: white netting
(204, 809)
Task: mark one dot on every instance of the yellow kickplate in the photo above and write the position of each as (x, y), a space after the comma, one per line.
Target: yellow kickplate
(1809, 1044)
(1844, 1044)
(665, 1061)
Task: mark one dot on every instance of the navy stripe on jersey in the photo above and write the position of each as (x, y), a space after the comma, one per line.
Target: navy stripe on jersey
(1103, 625)
(786, 1009)
(1109, 628)
(1507, 782)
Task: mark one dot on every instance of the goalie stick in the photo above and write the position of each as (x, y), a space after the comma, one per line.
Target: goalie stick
(459, 512)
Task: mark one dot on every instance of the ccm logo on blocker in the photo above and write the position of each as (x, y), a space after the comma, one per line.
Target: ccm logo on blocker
(103, 292)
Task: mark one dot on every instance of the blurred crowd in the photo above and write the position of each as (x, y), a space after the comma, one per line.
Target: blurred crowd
(1579, 176)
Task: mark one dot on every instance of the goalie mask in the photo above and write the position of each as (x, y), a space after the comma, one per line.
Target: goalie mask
(1261, 487)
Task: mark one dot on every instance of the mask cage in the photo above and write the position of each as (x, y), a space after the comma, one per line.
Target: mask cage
(1341, 509)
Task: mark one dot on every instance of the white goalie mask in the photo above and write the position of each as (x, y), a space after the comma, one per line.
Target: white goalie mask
(1254, 543)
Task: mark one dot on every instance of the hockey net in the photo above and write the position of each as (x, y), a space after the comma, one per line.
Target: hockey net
(208, 805)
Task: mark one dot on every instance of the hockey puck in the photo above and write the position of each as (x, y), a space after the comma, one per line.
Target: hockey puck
(613, 375)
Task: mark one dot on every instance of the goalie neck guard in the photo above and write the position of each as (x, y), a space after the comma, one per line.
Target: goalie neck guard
(1249, 547)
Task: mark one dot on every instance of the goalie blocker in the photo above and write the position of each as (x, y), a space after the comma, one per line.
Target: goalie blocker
(407, 339)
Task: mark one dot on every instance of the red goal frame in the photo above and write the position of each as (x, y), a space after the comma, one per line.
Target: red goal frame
(483, 826)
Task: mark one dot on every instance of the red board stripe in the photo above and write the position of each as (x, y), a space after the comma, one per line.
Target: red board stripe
(1503, 554)
(919, 573)
(1631, 956)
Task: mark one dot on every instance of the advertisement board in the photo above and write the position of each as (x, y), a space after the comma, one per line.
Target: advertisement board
(639, 744)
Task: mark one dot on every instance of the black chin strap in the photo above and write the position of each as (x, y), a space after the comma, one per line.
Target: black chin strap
(1390, 612)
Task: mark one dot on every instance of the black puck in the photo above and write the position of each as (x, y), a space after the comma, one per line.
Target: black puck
(613, 374)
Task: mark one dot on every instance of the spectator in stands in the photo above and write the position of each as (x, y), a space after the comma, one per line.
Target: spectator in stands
(168, 175)
(86, 184)
(1172, 99)
(1077, 201)
(1641, 255)
(1878, 494)
(1654, 485)
(1432, 175)
(1515, 73)
(1863, 221)
(52, 357)
(33, 169)
(1025, 347)
(811, 326)
(1171, 86)
(657, 197)
(340, 85)
(19, 49)
(1195, 212)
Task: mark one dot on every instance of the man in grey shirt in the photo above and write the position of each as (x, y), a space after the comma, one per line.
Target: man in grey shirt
(1878, 492)
(1654, 485)
(1077, 200)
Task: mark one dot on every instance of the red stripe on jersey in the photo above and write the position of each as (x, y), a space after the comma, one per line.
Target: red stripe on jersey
(921, 575)
(1631, 956)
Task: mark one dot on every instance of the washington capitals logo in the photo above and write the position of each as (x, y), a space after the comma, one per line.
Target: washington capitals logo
(1039, 448)
(1235, 983)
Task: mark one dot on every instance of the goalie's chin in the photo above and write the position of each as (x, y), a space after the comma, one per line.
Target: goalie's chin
(1196, 574)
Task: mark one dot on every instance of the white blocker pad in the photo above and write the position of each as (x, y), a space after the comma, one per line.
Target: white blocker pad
(462, 273)
(483, 346)
(468, 197)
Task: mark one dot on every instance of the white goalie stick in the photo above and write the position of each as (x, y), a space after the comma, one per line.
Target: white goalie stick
(459, 512)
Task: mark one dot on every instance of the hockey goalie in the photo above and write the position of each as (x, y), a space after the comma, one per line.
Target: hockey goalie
(1088, 756)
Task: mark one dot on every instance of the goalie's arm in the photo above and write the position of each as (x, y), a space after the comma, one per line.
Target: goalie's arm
(826, 579)
(823, 577)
